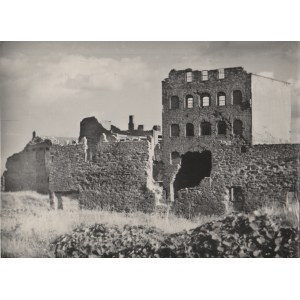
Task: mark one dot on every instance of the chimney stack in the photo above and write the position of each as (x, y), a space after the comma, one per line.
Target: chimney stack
(140, 127)
(33, 135)
(131, 124)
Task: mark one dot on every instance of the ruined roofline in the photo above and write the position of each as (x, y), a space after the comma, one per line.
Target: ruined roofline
(174, 72)
(227, 68)
(211, 70)
(55, 140)
(208, 70)
(114, 129)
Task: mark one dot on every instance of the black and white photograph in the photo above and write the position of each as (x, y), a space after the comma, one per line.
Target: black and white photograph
(150, 149)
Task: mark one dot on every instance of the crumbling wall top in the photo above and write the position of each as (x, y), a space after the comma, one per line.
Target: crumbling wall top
(203, 75)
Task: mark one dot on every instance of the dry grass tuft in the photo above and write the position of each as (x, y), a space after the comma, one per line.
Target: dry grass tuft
(28, 226)
(287, 215)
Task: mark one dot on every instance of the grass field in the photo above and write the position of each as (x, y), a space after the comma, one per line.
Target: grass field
(28, 226)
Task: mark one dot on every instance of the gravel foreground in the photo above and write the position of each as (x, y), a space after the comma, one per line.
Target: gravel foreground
(237, 235)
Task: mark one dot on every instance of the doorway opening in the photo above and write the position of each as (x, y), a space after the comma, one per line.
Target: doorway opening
(194, 167)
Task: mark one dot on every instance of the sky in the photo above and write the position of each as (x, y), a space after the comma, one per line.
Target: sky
(50, 87)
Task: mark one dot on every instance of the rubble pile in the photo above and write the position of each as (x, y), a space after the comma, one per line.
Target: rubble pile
(237, 235)
(100, 240)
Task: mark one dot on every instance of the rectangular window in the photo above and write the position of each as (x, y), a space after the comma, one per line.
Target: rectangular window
(204, 75)
(189, 76)
(190, 103)
(205, 101)
(221, 74)
(174, 130)
(237, 197)
(222, 101)
(174, 102)
(175, 157)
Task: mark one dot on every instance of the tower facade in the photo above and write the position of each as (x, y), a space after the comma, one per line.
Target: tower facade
(213, 123)
(204, 108)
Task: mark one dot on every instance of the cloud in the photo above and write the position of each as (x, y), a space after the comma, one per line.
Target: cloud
(69, 75)
(78, 72)
(14, 69)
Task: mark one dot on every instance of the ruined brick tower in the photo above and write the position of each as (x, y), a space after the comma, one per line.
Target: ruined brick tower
(211, 121)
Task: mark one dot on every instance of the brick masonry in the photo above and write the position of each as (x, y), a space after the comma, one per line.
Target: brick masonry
(115, 179)
(265, 174)
(176, 85)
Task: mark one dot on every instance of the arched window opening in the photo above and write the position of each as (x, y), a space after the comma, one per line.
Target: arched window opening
(174, 102)
(221, 99)
(189, 101)
(238, 127)
(237, 97)
(189, 129)
(174, 130)
(222, 128)
(205, 128)
(205, 100)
